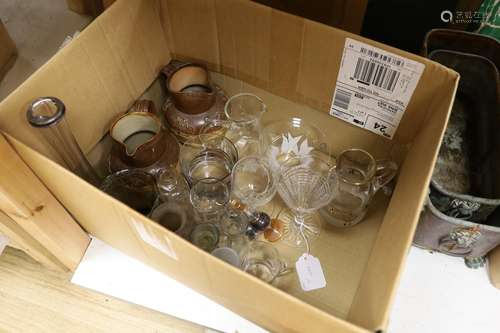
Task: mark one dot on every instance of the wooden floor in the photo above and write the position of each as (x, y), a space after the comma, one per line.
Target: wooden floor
(36, 299)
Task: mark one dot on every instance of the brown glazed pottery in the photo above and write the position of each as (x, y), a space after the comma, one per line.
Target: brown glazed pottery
(189, 86)
(143, 105)
(139, 141)
(193, 100)
(135, 188)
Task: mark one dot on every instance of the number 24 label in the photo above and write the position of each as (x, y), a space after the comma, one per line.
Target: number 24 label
(380, 127)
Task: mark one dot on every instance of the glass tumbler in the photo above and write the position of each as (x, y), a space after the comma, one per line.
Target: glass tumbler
(207, 158)
(48, 115)
(135, 188)
(357, 177)
(173, 216)
(228, 255)
(233, 230)
(244, 112)
(205, 236)
(209, 198)
(263, 261)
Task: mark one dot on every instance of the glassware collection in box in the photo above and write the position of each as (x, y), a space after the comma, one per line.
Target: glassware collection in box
(206, 168)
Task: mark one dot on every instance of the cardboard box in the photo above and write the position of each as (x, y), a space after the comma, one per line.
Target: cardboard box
(88, 7)
(494, 267)
(8, 51)
(347, 15)
(293, 64)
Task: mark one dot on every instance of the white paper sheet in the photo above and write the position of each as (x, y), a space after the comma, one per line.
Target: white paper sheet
(111, 272)
(437, 293)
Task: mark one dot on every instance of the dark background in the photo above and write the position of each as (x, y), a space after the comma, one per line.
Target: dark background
(399, 23)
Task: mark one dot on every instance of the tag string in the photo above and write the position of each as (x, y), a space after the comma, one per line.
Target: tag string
(301, 229)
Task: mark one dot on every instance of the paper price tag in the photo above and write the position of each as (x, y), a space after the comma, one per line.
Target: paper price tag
(310, 273)
(374, 87)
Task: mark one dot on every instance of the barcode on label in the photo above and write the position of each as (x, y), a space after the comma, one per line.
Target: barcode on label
(382, 57)
(342, 99)
(379, 75)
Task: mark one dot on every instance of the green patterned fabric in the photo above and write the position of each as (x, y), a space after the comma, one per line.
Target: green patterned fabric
(490, 12)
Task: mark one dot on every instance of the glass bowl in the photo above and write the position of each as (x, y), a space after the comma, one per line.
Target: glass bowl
(294, 137)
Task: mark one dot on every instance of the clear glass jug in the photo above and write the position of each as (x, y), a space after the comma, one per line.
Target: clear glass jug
(244, 112)
(357, 177)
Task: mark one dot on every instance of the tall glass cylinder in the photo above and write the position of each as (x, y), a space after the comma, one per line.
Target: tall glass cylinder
(47, 114)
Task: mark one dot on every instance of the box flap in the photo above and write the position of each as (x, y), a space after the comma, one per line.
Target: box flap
(287, 55)
(117, 57)
(98, 75)
(371, 305)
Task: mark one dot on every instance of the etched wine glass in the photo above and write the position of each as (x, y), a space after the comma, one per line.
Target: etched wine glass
(289, 138)
(285, 143)
(305, 185)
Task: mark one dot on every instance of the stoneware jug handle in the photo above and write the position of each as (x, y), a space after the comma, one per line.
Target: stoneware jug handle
(143, 105)
(386, 170)
(173, 66)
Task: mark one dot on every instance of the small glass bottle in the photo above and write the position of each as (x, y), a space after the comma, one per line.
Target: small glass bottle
(47, 114)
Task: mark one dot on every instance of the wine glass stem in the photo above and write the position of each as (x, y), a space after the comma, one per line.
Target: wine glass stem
(300, 219)
(300, 222)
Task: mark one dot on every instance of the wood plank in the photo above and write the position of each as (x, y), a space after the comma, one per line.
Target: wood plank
(37, 299)
(25, 199)
(23, 241)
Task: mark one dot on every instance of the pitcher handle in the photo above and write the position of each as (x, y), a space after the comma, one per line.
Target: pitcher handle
(143, 105)
(386, 170)
(172, 67)
(286, 269)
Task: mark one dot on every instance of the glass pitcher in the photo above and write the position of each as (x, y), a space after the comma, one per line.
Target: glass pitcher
(244, 112)
(357, 177)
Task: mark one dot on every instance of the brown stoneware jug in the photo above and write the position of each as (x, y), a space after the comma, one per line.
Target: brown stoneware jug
(140, 141)
(193, 100)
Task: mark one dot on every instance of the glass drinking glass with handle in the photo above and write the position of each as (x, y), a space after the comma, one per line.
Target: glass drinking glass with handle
(357, 177)
(263, 261)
